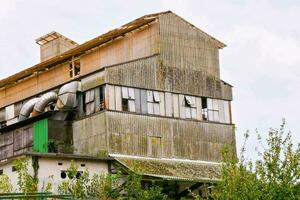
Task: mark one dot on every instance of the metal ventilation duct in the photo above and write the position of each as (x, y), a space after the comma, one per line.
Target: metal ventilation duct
(27, 108)
(44, 100)
(67, 95)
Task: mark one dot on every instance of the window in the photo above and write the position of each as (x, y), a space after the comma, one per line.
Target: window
(128, 99)
(102, 97)
(204, 108)
(89, 101)
(74, 68)
(190, 107)
(153, 100)
(210, 109)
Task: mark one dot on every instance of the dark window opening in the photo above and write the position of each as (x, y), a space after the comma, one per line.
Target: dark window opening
(102, 97)
(82, 165)
(1, 171)
(125, 106)
(74, 68)
(78, 175)
(71, 70)
(59, 163)
(204, 108)
(63, 174)
(83, 102)
(13, 168)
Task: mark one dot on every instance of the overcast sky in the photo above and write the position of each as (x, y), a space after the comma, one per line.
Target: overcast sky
(261, 61)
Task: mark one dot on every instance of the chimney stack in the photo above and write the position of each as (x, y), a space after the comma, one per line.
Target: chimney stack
(53, 44)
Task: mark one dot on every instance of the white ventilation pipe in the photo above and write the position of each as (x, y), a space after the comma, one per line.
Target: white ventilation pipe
(67, 95)
(27, 108)
(44, 100)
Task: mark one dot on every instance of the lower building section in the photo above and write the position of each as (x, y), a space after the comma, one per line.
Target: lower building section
(176, 177)
(111, 132)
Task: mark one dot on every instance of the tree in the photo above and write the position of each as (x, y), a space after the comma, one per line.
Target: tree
(275, 175)
(108, 186)
(5, 184)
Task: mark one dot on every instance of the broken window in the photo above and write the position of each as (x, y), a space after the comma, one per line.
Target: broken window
(210, 109)
(89, 101)
(153, 101)
(74, 68)
(190, 107)
(128, 99)
(102, 97)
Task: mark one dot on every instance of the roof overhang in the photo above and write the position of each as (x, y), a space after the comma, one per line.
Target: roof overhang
(172, 169)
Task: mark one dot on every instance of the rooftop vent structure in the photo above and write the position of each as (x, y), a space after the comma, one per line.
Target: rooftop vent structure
(53, 44)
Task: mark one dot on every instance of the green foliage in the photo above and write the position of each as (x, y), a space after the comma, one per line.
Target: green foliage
(26, 182)
(108, 187)
(275, 175)
(5, 184)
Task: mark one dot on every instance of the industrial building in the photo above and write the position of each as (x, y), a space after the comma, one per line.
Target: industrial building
(148, 93)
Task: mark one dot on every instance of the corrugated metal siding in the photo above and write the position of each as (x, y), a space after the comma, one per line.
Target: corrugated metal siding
(149, 73)
(89, 135)
(184, 46)
(165, 137)
(40, 136)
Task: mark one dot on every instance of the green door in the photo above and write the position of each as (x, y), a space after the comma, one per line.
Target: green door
(40, 136)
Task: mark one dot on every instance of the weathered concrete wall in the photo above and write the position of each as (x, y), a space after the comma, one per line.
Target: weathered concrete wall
(44, 172)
